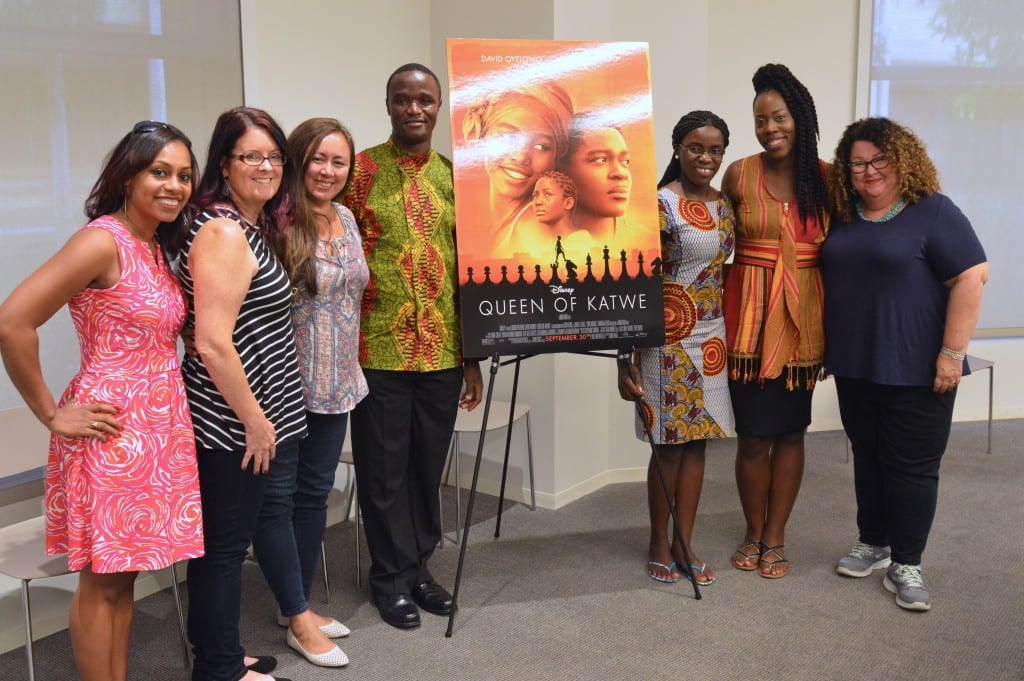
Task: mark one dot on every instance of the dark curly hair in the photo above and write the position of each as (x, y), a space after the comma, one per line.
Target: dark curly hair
(687, 124)
(412, 66)
(907, 158)
(811, 190)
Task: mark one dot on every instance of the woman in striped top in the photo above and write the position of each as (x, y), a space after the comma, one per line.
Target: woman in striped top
(243, 383)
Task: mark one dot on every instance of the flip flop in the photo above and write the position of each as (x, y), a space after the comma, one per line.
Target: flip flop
(702, 579)
(767, 563)
(743, 555)
(668, 568)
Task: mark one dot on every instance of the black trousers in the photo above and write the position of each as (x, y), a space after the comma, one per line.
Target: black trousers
(401, 432)
(899, 435)
(231, 498)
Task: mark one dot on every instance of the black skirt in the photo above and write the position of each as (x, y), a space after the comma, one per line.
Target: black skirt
(767, 409)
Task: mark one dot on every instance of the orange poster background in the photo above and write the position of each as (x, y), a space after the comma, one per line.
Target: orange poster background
(609, 80)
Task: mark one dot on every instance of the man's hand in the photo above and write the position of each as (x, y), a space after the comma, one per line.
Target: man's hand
(474, 385)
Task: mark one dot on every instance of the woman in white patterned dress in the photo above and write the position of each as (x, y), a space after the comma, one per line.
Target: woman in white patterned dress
(683, 385)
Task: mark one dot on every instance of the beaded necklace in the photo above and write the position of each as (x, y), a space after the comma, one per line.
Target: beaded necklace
(893, 212)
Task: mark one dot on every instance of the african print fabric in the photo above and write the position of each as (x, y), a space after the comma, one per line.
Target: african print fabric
(774, 296)
(685, 382)
(405, 207)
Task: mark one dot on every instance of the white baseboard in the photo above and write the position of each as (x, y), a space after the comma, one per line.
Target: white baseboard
(555, 501)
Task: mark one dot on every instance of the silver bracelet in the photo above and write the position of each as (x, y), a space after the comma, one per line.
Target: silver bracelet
(953, 354)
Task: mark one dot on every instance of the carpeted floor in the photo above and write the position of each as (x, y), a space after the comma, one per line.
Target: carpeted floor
(564, 594)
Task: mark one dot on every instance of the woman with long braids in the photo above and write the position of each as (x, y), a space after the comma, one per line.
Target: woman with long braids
(683, 385)
(773, 310)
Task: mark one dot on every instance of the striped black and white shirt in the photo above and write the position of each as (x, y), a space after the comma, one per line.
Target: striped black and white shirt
(264, 340)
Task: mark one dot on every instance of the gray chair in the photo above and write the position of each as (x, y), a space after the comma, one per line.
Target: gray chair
(976, 364)
(23, 557)
(351, 499)
(471, 422)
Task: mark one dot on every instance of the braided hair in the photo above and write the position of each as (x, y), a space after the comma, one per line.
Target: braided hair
(687, 124)
(808, 181)
(564, 182)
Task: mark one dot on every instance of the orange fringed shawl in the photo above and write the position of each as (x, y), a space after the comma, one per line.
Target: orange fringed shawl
(773, 295)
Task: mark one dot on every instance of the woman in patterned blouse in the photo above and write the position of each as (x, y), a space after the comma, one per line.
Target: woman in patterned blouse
(329, 273)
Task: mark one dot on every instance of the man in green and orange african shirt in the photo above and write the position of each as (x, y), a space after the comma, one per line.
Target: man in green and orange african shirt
(410, 348)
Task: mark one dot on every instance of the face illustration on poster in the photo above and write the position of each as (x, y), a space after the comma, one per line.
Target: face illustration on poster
(524, 133)
(554, 203)
(598, 161)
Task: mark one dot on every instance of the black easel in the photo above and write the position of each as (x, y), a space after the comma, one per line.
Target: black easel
(495, 363)
(508, 442)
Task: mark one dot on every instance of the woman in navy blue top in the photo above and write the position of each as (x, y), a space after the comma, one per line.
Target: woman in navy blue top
(903, 272)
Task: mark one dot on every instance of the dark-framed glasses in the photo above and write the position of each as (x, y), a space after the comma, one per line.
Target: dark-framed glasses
(697, 150)
(255, 158)
(879, 162)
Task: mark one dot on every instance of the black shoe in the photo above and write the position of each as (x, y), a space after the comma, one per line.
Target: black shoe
(398, 610)
(433, 598)
(264, 664)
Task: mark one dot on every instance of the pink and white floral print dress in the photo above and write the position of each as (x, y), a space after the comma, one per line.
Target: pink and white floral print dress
(131, 503)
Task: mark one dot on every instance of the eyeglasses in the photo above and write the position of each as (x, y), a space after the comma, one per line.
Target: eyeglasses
(697, 151)
(879, 162)
(255, 158)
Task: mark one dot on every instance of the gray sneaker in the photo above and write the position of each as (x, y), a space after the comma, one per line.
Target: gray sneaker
(905, 581)
(863, 559)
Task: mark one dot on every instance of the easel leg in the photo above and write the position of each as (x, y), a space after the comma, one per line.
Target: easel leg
(508, 445)
(668, 499)
(472, 495)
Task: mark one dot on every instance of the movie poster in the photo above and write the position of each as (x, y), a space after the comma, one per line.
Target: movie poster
(555, 196)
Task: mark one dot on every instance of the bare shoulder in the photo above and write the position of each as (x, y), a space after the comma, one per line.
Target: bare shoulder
(731, 180)
(220, 234)
(90, 255)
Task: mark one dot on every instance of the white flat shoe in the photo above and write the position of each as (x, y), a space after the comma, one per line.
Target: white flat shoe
(335, 657)
(333, 629)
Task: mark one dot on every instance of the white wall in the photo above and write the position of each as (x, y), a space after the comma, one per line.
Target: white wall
(330, 58)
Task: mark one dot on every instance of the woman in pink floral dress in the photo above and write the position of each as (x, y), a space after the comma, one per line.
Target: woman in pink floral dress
(122, 493)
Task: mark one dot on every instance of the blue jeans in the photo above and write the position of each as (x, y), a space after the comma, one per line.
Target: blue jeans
(318, 462)
(231, 499)
(274, 540)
